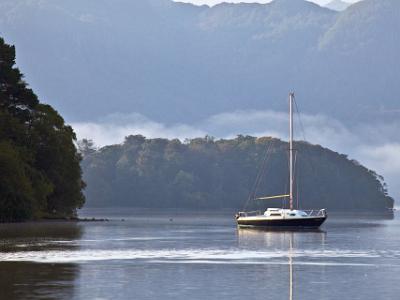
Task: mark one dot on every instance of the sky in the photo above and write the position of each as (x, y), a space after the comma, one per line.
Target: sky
(213, 2)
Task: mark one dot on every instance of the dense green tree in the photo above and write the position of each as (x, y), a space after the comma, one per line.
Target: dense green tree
(209, 173)
(40, 174)
(17, 193)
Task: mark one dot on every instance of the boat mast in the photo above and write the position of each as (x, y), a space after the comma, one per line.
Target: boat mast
(291, 99)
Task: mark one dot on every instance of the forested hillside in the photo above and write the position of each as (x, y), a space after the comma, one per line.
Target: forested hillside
(40, 175)
(207, 173)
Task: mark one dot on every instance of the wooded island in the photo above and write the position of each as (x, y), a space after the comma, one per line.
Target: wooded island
(217, 174)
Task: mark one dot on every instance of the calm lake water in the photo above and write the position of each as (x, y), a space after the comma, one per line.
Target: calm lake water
(170, 255)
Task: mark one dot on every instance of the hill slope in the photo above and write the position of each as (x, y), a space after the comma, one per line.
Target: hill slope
(203, 173)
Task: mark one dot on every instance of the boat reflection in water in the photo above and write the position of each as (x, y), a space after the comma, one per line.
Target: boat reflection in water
(280, 247)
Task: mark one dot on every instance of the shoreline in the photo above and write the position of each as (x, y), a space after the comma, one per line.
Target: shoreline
(61, 220)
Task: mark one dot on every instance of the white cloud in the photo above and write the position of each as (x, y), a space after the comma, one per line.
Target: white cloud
(373, 145)
(114, 128)
(318, 129)
(385, 157)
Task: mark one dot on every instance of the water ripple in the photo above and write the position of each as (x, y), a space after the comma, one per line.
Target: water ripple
(194, 256)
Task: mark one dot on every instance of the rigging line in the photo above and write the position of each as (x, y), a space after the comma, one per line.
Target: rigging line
(258, 177)
(304, 137)
(286, 189)
(300, 120)
(264, 170)
(287, 177)
(261, 172)
(297, 176)
(297, 192)
(294, 165)
(306, 149)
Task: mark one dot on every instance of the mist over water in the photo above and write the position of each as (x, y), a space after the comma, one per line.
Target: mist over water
(198, 255)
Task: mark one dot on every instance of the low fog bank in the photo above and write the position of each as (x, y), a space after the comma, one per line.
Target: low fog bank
(377, 146)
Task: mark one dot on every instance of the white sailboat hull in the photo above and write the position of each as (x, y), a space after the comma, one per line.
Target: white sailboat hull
(274, 217)
(262, 221)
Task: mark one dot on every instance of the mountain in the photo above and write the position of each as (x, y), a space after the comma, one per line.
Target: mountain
(363, 41)
(207, 173)
(175, 62)
(337, 5)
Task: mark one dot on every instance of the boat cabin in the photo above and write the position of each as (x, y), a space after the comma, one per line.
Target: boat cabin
(287, 213)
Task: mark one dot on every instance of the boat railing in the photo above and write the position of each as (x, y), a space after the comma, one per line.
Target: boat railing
(316, 212)
(249, 213)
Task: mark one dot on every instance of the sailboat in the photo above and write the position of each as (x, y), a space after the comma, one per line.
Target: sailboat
(284, 217)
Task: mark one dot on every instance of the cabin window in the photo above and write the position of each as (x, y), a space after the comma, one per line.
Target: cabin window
(292, 215)
(275, 215)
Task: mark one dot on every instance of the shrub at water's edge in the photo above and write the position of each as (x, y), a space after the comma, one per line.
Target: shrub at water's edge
(40, 174)
(214, 174)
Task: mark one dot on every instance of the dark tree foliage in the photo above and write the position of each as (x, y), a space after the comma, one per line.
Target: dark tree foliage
(86, 147)
(216, 174)
(40, 174)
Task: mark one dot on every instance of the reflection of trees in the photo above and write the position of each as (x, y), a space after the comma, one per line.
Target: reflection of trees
(26, 280)
(41, 230)
(21, 280)
(38, 236)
